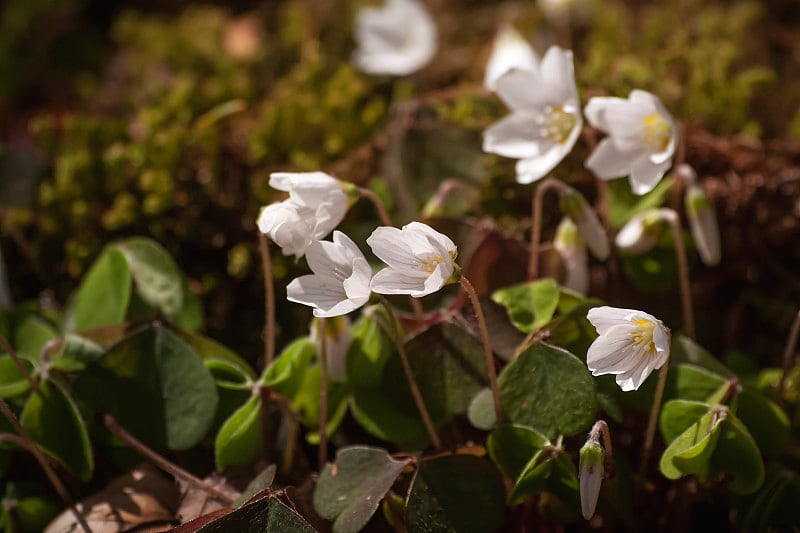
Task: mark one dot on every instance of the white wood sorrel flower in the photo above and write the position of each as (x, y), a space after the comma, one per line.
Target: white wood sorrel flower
(397, 39)
(641, 139)
(340, 282)
(631, 345)
(510, 50)
(421, 260)
(545, 118)
(317, 203)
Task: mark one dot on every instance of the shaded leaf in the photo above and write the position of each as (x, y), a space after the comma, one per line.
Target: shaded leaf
(104, 293)
(349, 491)
(530, 305)
(512, 447)
(678, 415)
(697, 442)
(285, 374)
(685, 350)
(267, 515)
(368, 352)
(159, 283)
(384, 419)
(262, 481)
(12, 382)
(765, 420)
(690, 382)
(481, 412)
(239, 439)
(624, 204)
(76, 352)
(738, 454)
(208, 348)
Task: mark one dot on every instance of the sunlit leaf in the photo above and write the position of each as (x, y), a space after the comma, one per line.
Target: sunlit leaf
(158, 280)
(239, 439)
(530, 305)
(104, 293)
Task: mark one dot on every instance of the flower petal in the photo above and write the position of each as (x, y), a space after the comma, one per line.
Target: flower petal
(519, 135)
(388, 245)
(645, 174)
(607, 161)
(317, 291)
(510, 50)
(391, 281)
(605, 317)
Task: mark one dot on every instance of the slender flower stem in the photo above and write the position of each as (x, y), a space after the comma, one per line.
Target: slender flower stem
(162, 462)
(651, 423)
(323, 394)
(412, 384)
(20, 365)
(386, 220)
(788, 354)
(487, 347)
(683, 271)
(31, 446)
(445, 188)
(269, 300)
(536, 230)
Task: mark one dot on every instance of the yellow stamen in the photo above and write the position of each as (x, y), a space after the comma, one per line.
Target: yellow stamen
(657, 132)
(559, 124)
(643, 337)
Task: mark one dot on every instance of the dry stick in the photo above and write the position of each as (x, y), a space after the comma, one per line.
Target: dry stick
(536, 231)
(162, 462)
(31, 446)
(788, 353)
(367, 194)
(22, 370)
(487, 347)
(269, 301)
(323, 394)
(426, 418)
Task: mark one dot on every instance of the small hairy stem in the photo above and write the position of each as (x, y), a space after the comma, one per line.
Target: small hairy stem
(32, 447)
(600, 429)
(536, 230)
(269, 300)
(14, 357)
(291, 444)
(788, 354)
(162, 462)
(323, 395)
(683, 272)
(412, 384)
(651, 422)
(487, 347)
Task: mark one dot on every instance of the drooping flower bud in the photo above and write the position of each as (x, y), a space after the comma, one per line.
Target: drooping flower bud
(592, 467)
(641, 233)
(702, 218)
(569, 245)
(575, 206)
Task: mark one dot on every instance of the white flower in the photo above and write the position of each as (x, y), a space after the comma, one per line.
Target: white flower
(642, 232)
(397, 39)
(575, 206)
(702, 218)
(591, 476)
(641, 139)
(337, 342)
(340, 282)
(570, 247)
(631, 345)
(316, 204)
(545, 118)
(509, 50)
(421, 260)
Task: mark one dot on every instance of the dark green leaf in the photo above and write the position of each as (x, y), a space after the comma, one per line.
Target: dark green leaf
(76, 352)
(12, 382)
(307, 405)
(549, 389)
(481, 412)
(104, 293)
(384, 419)
(690, 382)
(532, 478)
(368, 352)
(349, 491)
(159, 283)
(738, 454)
(512, 447)
(623, 204)
(208, 348)
(285, 374)
(239, 439)
(266, 515)
(678, 415)
(53, 420)
(228, 375)
(460, 493)
(685, 350)
(259, 483)
(765, 420)
(156, 386)
(530, 305)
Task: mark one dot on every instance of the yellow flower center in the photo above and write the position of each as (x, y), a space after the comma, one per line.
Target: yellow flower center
(643, 337)
(559, 124)
(657, 132)
(432, 262)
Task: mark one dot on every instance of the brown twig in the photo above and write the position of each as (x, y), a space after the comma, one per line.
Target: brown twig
(683, 271)
(412, 384)
(269, 300)
(536, 230)
(20, 365)
(162, 462)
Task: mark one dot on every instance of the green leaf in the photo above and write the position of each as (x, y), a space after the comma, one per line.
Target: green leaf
(156, 386)
(259, 483)
(549, 389)
(53, 420)
(306, 403)
(738, 454)
(104, 293)
(34, 513)
(228, 375)
(765, 420)
(532, 478)
(239, 439)
(696, 444)
(12, 382)
(529, 305)
(159, 283)
(678, 415)
(285, 374)
(623, 204)
(460, 493)
(774, 507)
(690, 382)
(383, 418)
(512, 447)
(266, 515)
(208, 348)
(572, 331)
(190, 316)
(76, 353)
(370, 349)
(685, 350)
(481, 412)
(349, 491)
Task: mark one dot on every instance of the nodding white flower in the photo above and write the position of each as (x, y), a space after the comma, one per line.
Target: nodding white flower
(338, 338)
(509, 50)
(317, 203)
(641, 139)
(642, 232)
(545, 118)
(631, 345)
(340, 282)
(421, 260)
(591, 472)
(574, 205)
(397, 39)
(570, 247)
(702, 218)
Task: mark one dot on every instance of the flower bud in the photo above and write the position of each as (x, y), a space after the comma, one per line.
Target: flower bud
(641, 233)
(703, 224)
(510, 50)
(591, 476)
(575, 206)
(337, 342)
(569, 245)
